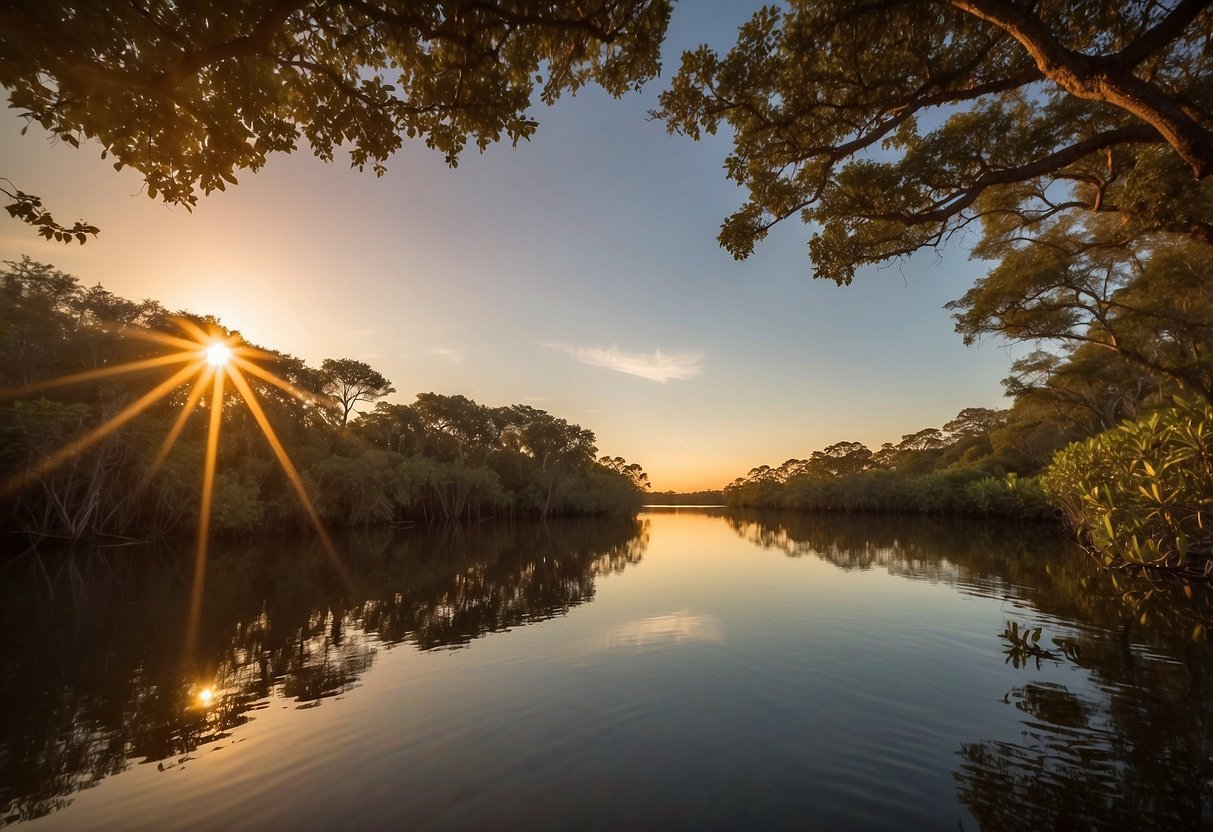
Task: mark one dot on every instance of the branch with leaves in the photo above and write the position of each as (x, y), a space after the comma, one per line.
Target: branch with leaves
(28, 209)
(889, 126)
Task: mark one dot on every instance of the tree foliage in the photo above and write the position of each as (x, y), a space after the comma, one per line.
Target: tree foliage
(956, 470)
(351, 382)
(631, 470)
(442, 458)
(1083, 283)
(888, 126)
(190, 94)
(1142, 492)
(28, 208)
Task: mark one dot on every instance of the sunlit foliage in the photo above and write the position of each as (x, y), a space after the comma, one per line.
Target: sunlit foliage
(890, 126)
(442, 458)
(1142, 493)
(1088, 284)
(954, 470)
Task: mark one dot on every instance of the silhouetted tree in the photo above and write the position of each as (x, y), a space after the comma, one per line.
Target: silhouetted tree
(349, 382)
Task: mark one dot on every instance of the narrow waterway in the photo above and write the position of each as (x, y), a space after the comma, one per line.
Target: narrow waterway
(687, 669)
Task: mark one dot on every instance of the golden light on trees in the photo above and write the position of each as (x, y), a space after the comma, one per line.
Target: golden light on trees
(209, 360)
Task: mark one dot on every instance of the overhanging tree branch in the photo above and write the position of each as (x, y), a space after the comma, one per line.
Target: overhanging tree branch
(1108, 80)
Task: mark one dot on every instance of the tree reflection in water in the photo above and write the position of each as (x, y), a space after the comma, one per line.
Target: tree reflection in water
(1134, 748)
(93, 678)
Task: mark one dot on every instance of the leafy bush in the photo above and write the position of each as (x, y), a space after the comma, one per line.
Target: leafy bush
(1141, 492)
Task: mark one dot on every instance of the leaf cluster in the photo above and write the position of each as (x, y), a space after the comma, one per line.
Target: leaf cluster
(191, 94)
(28, 209)
(890, 126)
(1142, 493)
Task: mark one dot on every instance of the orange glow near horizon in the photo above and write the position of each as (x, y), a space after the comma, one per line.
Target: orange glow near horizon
(211, 360)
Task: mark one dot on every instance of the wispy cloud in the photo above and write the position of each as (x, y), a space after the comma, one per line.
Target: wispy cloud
(451, 355)
(655, 366)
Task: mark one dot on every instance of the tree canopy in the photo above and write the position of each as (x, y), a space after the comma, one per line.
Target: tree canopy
(350, 381)
(74, 360)
(191, 94)
(1081, 283)
(888, 126)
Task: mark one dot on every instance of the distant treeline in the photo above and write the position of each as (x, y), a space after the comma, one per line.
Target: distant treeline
(442, 457)
(1115, 440)
(685, 498)
(953, 470)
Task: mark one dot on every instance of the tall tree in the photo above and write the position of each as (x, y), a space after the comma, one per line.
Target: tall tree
(890, 125)
(398, 427)
(632, 470)
(974, 421)
(350, 382)
(190, 94)
(1085, 388)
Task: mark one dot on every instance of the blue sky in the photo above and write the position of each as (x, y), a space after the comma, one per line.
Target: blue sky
(549, 275)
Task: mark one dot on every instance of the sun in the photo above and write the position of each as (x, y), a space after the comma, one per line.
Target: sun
(210, 362)
(218, 354)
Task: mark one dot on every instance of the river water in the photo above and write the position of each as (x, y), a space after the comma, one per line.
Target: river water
(686, 669)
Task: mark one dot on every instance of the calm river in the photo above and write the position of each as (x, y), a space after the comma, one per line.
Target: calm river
(687, 669)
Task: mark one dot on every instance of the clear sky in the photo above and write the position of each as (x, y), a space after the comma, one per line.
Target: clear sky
(548, 274)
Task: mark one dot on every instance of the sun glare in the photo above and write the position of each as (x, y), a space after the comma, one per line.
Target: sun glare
(218, 354)
(205, 695)
(210, 361)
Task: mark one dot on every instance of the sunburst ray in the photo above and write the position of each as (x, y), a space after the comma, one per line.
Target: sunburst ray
(100, 372)
(174, 433)
(161, 338)
(268, 377)
(207, 368)
(292, 474)
(200, 334)
(204, 509)
(103, 430)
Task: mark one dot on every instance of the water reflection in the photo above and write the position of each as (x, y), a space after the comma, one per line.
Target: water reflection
(93, 678)
(1131, 746)
(720, 686)
(662, 631)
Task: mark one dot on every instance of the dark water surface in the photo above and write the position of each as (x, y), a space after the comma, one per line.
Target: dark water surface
(690, 669)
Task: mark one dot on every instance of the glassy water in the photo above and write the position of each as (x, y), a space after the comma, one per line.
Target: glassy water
(684, 670)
